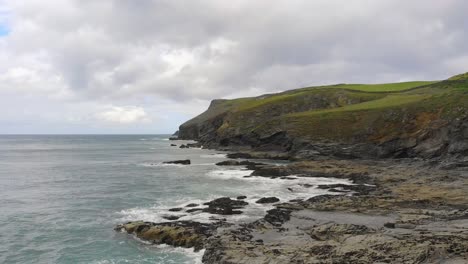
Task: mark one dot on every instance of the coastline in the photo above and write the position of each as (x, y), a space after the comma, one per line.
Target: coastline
(396, 211)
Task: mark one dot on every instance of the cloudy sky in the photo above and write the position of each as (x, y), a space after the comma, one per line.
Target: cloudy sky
(126, 66)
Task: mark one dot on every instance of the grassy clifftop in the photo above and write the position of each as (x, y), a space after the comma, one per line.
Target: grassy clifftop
(344, 113)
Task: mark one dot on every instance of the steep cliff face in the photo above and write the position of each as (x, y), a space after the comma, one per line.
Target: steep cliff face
(416, 119)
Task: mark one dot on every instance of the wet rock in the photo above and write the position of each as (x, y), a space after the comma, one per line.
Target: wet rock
(182, 162)
(183, 146)
(172, 217)
(224, 206)
(239, 155)
(277, 216)
(192, 205)
(389, 225)
(249, 164)
(194, 210)
(242, 197)
(334, 230)
(175, 209)
(185, 234)
(265, 200)
(272, 171)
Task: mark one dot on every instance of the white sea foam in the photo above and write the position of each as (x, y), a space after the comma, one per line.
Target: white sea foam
(229, 174)
(216, 155)
(254, 187)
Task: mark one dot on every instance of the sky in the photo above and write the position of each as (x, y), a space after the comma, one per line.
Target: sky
(126, 66)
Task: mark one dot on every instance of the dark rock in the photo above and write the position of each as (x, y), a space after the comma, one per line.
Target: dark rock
(192, 205)
(194, 210)
(239, 155)
(278, 216)
(183, 146)
(173, 145)
(321, 198)
(242, 197)
(272, 171)
(267, 200)
(175, 209)
(224, 206)
(185, 234)
(389, 225)
(182, 162)
(172, 217)
(249, 164)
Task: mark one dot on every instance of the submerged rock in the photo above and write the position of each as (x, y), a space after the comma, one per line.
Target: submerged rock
(182, 162)
(192, 205)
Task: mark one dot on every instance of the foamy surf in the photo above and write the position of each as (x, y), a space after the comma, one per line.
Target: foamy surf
(215, 156)
(254, 187)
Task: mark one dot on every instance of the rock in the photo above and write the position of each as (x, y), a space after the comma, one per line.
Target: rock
(192, 205)
(175, 209)
(242, 197)
(389, 225)
(277, 216)
(185, 234)
(182, 162)
(333, 230)
(193, 210)
(173, 145)
(224, 206)
(267, 200)
(239, 155)
(183, 146)
(249, 164)
(172, 217)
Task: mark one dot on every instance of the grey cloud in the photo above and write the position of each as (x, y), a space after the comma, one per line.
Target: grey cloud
(192, 51)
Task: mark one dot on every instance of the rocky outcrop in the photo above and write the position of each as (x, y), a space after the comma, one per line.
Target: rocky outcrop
(266, 200)
(185, 234)
(225, 206)
(401, 211)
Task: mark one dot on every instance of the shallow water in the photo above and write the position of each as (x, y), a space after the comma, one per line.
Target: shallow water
(62, 195)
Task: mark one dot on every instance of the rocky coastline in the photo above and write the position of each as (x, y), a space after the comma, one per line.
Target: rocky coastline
(396, 211)
(405, 152)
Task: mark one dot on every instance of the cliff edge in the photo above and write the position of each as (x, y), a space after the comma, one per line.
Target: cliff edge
(426, 119)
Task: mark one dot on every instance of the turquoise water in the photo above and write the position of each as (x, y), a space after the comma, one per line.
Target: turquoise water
(61, 196)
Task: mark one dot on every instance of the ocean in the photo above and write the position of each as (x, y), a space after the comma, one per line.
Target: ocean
(61, 195)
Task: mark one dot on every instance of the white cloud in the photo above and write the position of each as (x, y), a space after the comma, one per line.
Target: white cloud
(123, 115)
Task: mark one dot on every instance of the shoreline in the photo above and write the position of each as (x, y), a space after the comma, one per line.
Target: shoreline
(395, 205)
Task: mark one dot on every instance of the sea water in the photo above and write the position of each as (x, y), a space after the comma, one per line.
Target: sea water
(61, 195)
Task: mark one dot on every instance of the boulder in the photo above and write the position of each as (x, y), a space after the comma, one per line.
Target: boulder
(265, 200)
(187, 234)
(224, 206)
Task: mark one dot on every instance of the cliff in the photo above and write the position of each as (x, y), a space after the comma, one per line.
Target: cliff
(411, 119)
